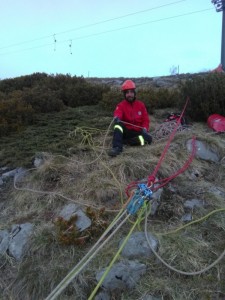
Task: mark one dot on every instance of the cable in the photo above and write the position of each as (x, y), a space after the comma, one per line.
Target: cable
(109, 31)
(90, 25)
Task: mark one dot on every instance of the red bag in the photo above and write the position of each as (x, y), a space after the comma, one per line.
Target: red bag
(216, 122)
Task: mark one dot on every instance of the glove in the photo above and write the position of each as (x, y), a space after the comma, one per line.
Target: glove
(117, 120)
(146, 135)
(144, 131)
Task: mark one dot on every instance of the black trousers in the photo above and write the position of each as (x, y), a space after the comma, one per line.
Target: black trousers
(122, 135)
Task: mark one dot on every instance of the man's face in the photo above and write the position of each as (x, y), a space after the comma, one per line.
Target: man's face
(130, 95)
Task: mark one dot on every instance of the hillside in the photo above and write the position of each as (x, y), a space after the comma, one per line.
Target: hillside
(188, 222)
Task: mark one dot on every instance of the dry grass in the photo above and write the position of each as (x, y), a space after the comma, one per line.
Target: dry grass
(101, 182)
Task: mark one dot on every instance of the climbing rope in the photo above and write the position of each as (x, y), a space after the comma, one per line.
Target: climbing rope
(138, 200)
(86, 137)
(151, 180)
(116, 224)
(111, 230)
(137, 204)
(166, 128)
(16, 187)
(118, 253)
(171, 267)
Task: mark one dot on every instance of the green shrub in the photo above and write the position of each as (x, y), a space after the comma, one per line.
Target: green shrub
(43, 100)
(19, 83)
(83, 94)
(154, 98)
(110, 99)
(206, 94)
(14, 114)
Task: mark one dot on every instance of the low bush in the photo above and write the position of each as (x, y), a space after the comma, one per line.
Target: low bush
(154, 98)
(206, 94)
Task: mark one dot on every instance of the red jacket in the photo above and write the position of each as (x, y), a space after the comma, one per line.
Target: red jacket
(133, 112)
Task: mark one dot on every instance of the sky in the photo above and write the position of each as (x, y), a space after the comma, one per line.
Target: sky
(100, 38)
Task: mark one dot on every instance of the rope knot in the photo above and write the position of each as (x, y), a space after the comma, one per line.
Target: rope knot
(151, 180)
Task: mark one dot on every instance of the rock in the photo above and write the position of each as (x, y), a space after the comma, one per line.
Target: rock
(156, 196)
(102, 296)
(122, 275)
(18, 172)
(18, 239)
(150, 297)
(37, 162)
(187, 217)
(203, 151)
(191, 204)
(72, 209)
(4, 241)
(217, 191)
(138, 247)
(9, 174)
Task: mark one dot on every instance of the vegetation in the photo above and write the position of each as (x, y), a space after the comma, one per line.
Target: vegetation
(207, 95)
(50, 132)
(68, 233)
(23, 98)
(72, 143)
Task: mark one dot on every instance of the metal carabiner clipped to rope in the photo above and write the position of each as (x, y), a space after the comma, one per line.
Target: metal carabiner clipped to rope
(142, 194)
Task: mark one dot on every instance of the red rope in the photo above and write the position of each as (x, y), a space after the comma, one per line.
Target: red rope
(153, 175)
(164, 181)
(151, 178)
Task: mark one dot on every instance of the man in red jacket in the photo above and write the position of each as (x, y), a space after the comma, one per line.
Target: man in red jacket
(131, 121)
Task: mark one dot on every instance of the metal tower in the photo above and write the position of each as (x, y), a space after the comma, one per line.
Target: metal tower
(220, 6)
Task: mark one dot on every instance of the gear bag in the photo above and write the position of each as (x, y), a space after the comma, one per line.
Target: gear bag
(175, 117)
(216, 122)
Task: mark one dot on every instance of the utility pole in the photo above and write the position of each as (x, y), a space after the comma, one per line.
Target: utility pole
(220, 6)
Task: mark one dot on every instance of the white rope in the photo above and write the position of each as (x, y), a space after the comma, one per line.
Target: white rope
(86, 259)
(171, 267)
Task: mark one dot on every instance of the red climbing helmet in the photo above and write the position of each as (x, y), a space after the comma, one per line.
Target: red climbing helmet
(128, 85)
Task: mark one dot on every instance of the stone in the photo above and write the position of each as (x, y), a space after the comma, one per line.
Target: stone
(72, 209)
(203, 151)
(4, 241)
(138, 247)
(18, 239)
(122, 275)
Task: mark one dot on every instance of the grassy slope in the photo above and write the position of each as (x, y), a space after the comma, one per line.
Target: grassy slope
(102, 183)
(50, 133)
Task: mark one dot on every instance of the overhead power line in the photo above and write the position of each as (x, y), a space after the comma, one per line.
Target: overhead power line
(112, 30)
(90, 25)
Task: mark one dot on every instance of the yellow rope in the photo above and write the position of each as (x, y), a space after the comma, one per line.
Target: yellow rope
(193, 222)
(88, 257)
(143, 208)
(180, 271)
(114, 177)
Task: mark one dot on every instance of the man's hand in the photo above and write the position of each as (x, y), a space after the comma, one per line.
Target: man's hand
(117, 120)
(147, 137)
(144, 131)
